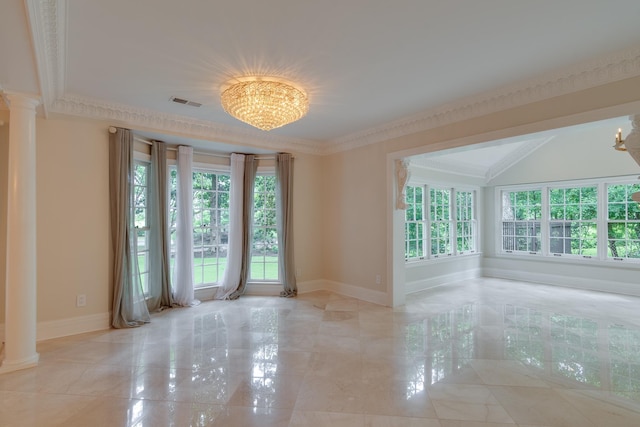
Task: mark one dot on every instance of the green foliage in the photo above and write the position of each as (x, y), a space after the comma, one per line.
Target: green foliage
(140, 194)
(265, 235)
(623, 229)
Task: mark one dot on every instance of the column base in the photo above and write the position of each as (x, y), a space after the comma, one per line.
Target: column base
(11, 366)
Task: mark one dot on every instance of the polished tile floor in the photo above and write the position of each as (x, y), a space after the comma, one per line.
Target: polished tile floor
(484, 353)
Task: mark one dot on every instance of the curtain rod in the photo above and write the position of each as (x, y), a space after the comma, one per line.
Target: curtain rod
(112, 129)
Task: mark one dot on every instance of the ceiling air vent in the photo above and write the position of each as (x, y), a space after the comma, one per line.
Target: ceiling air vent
(185, 102)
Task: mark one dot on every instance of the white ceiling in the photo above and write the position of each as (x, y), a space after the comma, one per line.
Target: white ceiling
(371, 67)
(488, 160)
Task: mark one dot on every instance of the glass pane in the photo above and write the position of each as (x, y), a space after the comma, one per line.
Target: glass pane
(617, 211)
(556, 196)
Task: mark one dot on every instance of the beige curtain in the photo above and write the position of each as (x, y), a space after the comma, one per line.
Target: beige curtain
(129, 306)
(160, 295)
(284, 221)
(250, 169)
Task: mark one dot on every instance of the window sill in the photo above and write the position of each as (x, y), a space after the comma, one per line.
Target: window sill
(576, 260)
(443, 259)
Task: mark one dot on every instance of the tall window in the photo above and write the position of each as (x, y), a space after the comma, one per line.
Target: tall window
(623, 222)
(573, 213)
(440, 219)
(264, 247)
(448, 227)
(211, 227)
(414, 223)
(465, 222)
(210, 224)
(141, 218)
(521, 214)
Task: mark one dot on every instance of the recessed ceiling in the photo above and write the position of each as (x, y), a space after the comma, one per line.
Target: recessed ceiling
(488, 160)
(364, 63)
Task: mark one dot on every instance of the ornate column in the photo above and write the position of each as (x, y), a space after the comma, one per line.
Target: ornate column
(20, 298)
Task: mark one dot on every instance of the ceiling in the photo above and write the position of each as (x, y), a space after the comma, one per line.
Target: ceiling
(373, 69)
(488, 160)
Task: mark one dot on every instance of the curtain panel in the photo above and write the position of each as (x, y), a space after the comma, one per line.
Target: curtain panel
(129, 305)
(183, 275)
(284, 223)
(160, 295)
(231, 278)
(250, 169)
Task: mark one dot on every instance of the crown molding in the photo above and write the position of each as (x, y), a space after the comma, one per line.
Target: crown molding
(606, 69)
(146, 119)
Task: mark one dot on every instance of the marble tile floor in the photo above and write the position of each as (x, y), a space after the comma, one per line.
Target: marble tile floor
(483, 353)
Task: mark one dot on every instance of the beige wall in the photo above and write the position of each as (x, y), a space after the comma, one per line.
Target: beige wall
(73, 217)
(308, 221)
(355, 212)
(4, 166)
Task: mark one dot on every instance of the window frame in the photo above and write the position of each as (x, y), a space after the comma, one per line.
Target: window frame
(197, 167)
(143, 274)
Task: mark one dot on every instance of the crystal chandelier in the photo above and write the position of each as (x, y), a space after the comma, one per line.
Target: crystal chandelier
(264, 102)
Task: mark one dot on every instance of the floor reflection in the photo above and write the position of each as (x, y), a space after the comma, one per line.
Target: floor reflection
(590, 352)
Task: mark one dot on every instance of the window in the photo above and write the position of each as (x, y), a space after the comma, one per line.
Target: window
(211, 227)
(623, 222)
(570, 219)
(448, 229)
(465, 222)
(573, 227)
(414, 223)
(210, 224)
(264, 247)
(521, 213)
(440, 221)
(141, 221)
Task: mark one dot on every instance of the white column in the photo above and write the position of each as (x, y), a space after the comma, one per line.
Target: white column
(20, 284)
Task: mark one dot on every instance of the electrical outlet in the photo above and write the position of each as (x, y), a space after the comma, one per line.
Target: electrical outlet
(81, 300)
(378, 279)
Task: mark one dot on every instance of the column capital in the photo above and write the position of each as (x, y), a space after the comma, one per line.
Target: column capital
(20, 100)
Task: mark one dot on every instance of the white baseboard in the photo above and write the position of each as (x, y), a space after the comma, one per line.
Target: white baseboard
(312, 286)
(585, 283)
(432, 282)
(205, 294)
(368, 295)
(71, 326)
(66, 327)
(264, 290)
